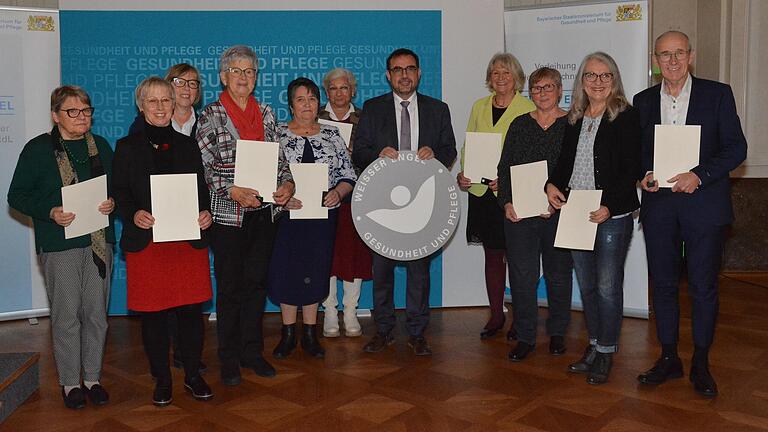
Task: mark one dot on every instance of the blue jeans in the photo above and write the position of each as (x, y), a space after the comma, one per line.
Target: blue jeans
(601, 280)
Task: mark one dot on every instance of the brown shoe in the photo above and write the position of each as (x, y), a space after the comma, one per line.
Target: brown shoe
(379, 342)
(419, 346)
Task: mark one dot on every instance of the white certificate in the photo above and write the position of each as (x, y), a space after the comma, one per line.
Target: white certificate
(256, 167)
(311, 181)
(528, 196)
(574, 230)
(482, 152)
(83, 199)
(345, 129)
(675, 151)
(174, 207)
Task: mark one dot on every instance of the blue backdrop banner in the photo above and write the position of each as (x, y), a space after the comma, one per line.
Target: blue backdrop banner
(110, 52)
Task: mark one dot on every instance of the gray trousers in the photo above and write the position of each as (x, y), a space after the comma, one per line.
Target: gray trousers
(78, 299)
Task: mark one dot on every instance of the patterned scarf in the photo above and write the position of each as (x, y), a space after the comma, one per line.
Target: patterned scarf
(69, 177)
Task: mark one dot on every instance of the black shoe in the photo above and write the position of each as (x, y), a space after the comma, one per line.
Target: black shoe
(419, 346)
(488, 333)
(163, 394)
(198, 387)
(287, 342)
(511, 334)
(178, 363)
(557, 345)
(230, 375)
(97, 395)
(309, 341)
(601, 368)
(378, 342)
(75, 399)
(521, 351)
(703, 382)
(585, 363)
(261, 367)
(664, 369)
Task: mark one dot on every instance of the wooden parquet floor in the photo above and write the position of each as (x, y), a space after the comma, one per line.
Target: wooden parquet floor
(468, 385)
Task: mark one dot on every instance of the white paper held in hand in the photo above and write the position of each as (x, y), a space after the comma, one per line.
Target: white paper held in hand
(174, 207)
(256, 167)
(482, 151)
(83, 199)
(311, 181)
(528, 196)
(574, 230)
(675, 151)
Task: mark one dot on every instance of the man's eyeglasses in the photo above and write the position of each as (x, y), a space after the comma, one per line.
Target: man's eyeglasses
(397, 70)
(248, 72)
(75, 113)
(592, 77)
(666, 56)
(547, 88)
(181, 82)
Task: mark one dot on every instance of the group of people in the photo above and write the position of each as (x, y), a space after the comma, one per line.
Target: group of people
(603, 142)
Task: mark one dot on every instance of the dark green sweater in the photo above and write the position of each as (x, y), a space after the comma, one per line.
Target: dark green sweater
(36, 189)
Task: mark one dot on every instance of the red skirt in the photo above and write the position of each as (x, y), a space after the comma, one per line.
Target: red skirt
(167, 275)
(351, 257)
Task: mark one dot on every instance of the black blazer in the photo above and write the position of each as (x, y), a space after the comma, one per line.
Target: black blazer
(722, 149)
(378, 129)
(617, 160)
(131, 168)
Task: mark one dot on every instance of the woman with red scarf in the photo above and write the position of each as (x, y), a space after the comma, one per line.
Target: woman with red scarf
(243, 228)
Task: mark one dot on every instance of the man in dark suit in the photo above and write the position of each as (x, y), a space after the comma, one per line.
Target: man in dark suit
(690, 218)
(403, 120)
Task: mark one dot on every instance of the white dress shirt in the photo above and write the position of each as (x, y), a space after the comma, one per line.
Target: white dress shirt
(674, 110)
(332, 114)
(186, 128)
(413, 110)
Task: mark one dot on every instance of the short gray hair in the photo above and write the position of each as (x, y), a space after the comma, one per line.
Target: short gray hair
(672, 32)
(61, 94)
(337, 73)
(237, 52)
(149, 82)
(510, 62)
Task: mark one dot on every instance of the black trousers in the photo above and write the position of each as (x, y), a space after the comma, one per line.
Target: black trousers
(154, 332)
(528, 241)
(416, 294)
(241, 262)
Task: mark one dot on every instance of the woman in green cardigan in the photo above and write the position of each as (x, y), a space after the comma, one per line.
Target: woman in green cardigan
(77, 271)
(494, 113)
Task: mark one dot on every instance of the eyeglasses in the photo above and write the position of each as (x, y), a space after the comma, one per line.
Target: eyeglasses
(248, 72)
(75, 113)
(666, 56)
(592, 77)
(155, 103)
(397, 70)
(181, 82)
(546, 88)
(342, 89)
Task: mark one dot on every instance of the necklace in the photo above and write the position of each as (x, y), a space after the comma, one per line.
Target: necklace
(70, 154)
(497, 104)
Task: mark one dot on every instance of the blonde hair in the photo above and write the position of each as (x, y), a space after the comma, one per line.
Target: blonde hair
(149, 82)
(510, 62)
(617, 101)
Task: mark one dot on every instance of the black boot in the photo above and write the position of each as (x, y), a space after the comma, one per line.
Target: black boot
(585, 363)
(601, 368)
(287, 342)
(309, 342)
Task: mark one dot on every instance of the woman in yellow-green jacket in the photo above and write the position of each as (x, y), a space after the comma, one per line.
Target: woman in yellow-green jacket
(485, 219)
